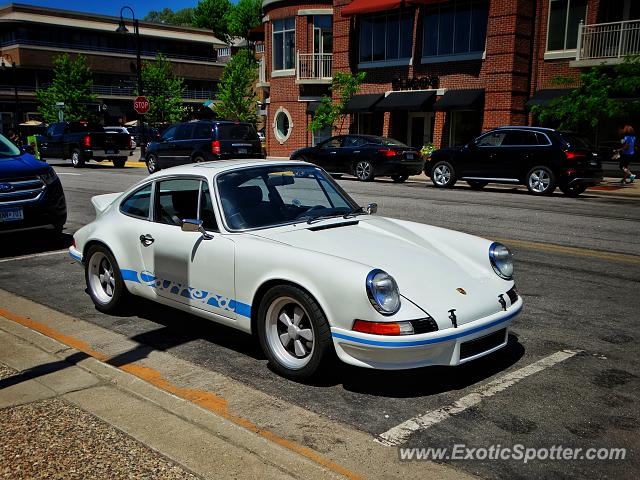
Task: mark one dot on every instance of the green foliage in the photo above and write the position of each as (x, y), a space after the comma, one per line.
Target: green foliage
(236, 94)
(244, 16)
(331, 112)
(214, 15)
(164, 91)
(603, 93)
(427, 150)
(182, 18)
(72, 82)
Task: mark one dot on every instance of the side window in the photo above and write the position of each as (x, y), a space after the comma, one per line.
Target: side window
(176, 200)
(169, 133)
(493, 139)
(184, 131)
(207, 214)
(353, 141)
(59, 128)
(202, 130)
(542, 139)
(137, 204)
(335, 142)
(520, 138)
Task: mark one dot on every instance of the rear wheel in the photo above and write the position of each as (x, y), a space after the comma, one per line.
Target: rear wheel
(104, 280)
(443, 175)
(399, 178)
(573, 190)
(364, 170)
(541, 181)
(293, 331)
(152, 163)
(77, 160)
(198, 159)
(119, 162)
(477, 184)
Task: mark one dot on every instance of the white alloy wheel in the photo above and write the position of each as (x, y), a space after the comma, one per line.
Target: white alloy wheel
(102, 280)
(289, 333)
(442, 175)
(539, 180)
(364, 170)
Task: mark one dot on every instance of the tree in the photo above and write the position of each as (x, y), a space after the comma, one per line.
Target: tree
(183, 18)
(214, 15)
(247, 14)
(330, 112)
(72, 82)
(604, 92)
(164, 91)
(236, 94)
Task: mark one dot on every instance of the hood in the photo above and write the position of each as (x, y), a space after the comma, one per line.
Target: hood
(22, 166)
(428, 268)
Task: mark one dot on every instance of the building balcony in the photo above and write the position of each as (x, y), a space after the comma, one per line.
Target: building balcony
(110, 91)
(314, 68)
(262, 74)
(606, 43)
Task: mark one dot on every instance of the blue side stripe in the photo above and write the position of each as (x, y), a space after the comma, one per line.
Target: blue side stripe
(130, 275)
(428, 340)
(74, 256)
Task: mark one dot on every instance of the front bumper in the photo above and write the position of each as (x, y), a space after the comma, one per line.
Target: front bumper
(399, 167)
(49, 210)
(412, 351)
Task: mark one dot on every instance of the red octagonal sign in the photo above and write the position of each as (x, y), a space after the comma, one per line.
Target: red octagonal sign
(141, 105)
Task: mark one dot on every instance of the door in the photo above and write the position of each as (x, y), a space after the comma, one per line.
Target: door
(184, 266)
(327, 154)
(354, 148)
(52, 145)
(517, 154)
(481, 158)
(322, 45)
(419, 129)
(182, 146)
(164, 150)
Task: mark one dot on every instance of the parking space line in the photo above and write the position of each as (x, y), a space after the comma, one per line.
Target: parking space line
(43, 254)
(69, 173)
(400, 433)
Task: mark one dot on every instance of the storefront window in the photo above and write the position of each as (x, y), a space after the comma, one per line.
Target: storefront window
(386, 37)
(455, 28)
(284, 43)
(564, 19)
(464, 126)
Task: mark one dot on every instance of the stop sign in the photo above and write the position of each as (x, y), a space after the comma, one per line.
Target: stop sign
(141, 105)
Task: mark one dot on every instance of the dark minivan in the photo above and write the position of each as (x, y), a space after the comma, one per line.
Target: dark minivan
(203, 141)
(540, 158)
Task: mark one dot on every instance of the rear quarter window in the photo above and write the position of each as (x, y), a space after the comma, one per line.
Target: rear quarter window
(576, 141)
(138, 203)
(237, 132)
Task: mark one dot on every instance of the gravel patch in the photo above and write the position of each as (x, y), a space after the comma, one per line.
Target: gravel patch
(54, 440)
(6, 372)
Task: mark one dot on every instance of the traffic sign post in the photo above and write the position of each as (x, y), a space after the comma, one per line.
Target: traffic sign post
(141, 105)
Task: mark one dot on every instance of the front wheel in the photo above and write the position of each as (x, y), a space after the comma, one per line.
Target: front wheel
(293, 331)
(443, 175)
(399, 178)
(77, 160)
(104, 280)
(152, 163)
(119, 162)
(364, 171)
(541, 181)
(573, 190)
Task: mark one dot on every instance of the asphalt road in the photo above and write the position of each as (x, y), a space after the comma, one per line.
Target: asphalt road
(577, 268)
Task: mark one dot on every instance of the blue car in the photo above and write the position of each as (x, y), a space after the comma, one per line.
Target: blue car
(31, 194)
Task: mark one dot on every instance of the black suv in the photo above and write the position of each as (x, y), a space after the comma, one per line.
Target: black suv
(540, 158)
(202, 141)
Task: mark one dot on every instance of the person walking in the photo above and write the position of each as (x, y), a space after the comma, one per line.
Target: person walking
(626, 153)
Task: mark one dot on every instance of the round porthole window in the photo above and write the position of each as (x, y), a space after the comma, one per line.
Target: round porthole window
(282, 125)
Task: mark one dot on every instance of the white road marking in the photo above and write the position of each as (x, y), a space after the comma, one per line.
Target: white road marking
(43, 254)
(69, 173)
(400, 433)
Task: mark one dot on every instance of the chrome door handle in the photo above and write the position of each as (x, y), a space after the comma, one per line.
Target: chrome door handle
(146, 240)
(357, 151)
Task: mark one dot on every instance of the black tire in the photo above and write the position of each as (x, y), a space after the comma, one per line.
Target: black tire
(105, 302)
(119, 162)
(443, 175)
(77, 159)
(276, 302)
(541, 181)
(198, 159)
(399, 178)
(363, 170)
(573, 191)
(152, 163)
(477, 184)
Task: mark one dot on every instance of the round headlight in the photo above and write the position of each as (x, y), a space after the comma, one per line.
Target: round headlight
(383, 292)
(501, 260)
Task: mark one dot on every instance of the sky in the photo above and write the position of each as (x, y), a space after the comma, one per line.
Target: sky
(110, 7)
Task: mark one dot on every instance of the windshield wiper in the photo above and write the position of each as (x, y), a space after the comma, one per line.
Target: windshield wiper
(317, 218)
(355, 212)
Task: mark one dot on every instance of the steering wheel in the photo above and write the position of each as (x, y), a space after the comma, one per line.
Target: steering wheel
(309, 210)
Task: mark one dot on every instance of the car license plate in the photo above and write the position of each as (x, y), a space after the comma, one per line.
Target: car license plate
(409, 156)
(110, 152)
(11, 214)
(242, 150)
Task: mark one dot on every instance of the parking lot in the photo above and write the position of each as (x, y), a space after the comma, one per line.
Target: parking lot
(569, 375)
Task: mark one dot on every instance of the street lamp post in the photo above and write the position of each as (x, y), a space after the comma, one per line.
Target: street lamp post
(5, 61)
(122, 28)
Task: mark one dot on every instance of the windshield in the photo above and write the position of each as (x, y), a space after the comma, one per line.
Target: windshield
(278, 195)
(576, 141)
(8, 149)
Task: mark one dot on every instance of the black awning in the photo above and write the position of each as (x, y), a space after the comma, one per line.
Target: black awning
(312, 107)
(460, 100)
(114, 111)
(544, 97)
(363, 103)
(412, 101)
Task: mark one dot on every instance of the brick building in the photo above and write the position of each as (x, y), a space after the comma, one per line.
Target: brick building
(30, 38)
(438, 71)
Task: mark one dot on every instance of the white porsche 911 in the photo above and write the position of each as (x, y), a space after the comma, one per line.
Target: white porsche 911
(279, 250)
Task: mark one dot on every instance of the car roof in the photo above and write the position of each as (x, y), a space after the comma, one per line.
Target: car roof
(218, 166)
(526, 127)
